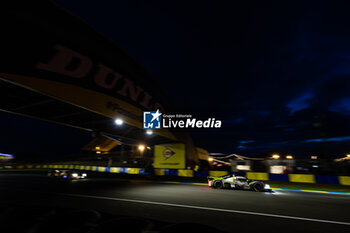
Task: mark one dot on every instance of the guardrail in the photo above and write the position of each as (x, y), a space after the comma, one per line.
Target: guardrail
(300, 178)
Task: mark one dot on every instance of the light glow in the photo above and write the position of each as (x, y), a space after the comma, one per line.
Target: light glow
(243, 167)
(141, 147)
(6, 155)
(277, 169)
(118, 121)
(275, 156)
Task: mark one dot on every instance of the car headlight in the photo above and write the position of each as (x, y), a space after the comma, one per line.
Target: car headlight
(84, 175)
(267, 186)
(74, 174)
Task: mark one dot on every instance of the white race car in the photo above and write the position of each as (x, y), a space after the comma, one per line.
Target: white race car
(237, 182)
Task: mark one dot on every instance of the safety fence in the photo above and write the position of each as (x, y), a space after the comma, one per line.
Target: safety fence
(301, 178)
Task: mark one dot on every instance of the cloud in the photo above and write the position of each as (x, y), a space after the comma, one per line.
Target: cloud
(301, 102)
(247, 141)
(334, 139)
(341, 106)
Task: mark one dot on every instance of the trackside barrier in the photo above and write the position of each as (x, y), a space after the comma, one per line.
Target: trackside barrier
(185, 173)
(344, 180)
(201, 173)
(133, 171)
(158, 171)
(278, 177)
(170, 172)
(327, 179)
(257, 175)
(302, 178)
(218, 173)
(140, 171)
(115, 170)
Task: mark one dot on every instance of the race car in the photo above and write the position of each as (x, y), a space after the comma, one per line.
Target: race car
(237, 182)
(67, 174)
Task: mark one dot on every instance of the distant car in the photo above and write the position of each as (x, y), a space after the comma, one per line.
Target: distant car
(67, 174)
(237, 182)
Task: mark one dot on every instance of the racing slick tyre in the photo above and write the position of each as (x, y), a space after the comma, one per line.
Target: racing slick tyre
(218, 184)
(258, 186)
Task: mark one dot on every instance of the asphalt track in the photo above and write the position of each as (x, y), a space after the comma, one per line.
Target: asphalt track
(227, 210)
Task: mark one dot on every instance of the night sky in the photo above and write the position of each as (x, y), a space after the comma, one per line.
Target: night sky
(278, 76)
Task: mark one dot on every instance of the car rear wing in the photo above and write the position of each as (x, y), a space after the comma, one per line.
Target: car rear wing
(217, 177)
(210, 177)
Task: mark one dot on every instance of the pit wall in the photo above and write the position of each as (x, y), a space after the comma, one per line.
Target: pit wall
(301, 178)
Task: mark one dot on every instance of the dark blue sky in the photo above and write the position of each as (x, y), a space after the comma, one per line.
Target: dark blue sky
(278, 75)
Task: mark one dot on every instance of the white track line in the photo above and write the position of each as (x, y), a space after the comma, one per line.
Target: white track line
(208, 208)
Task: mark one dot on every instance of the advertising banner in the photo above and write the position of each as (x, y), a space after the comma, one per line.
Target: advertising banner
(169, 156)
